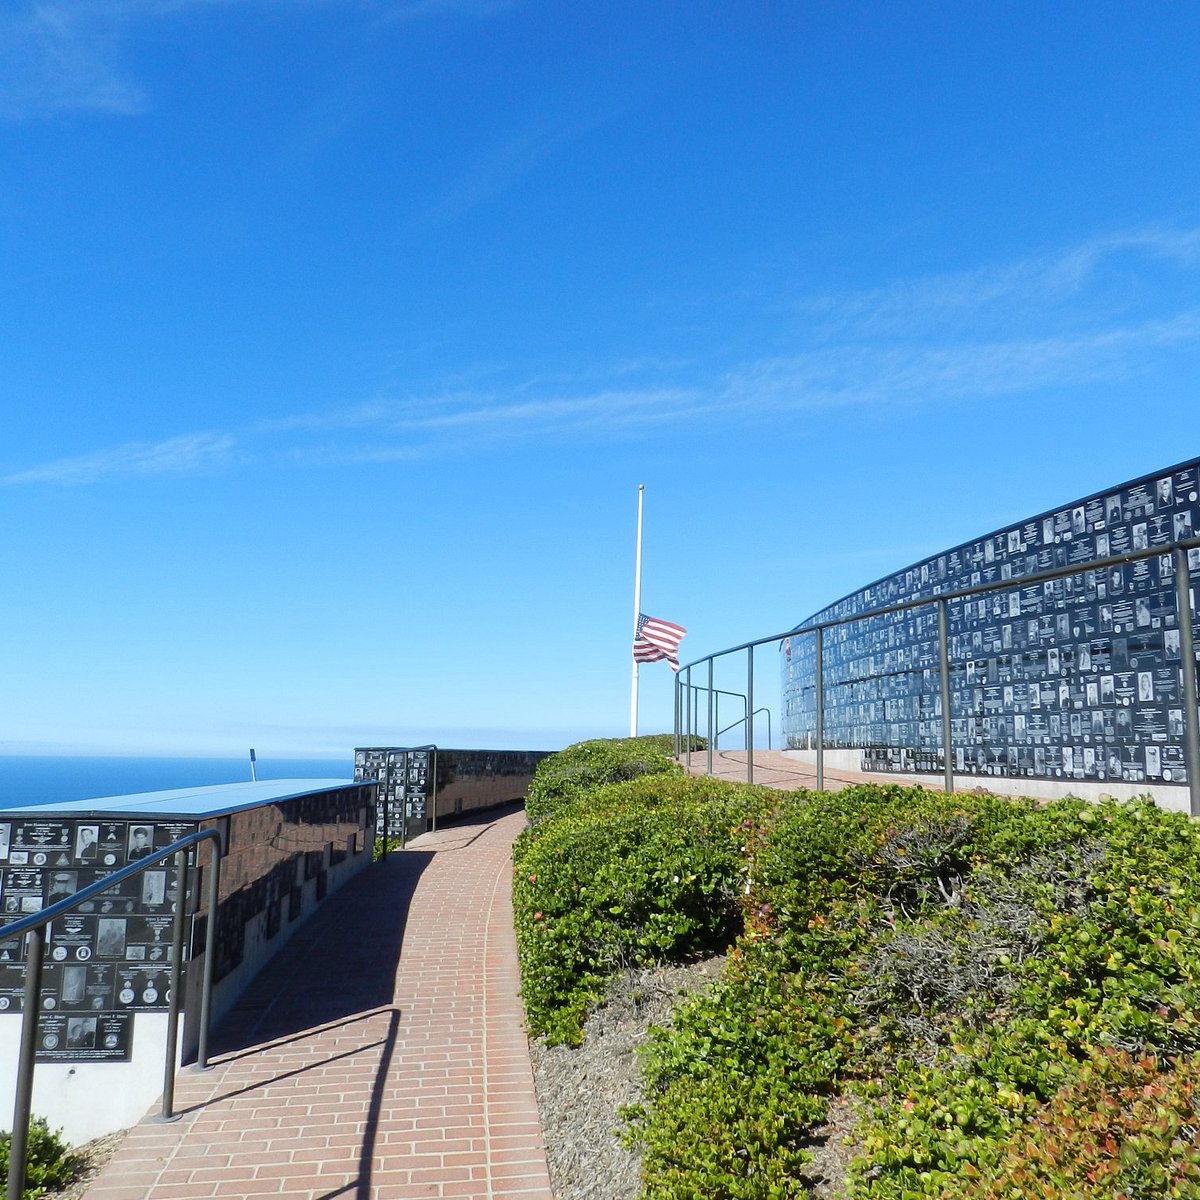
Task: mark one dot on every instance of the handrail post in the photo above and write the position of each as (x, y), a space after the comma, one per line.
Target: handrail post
(710, 716)
(675, 716)
(688, 748)
(181, 889)
(210, 949)
(1187, 651)
(944, 672)
(18, 1152)
(749, 714)
(819, 684)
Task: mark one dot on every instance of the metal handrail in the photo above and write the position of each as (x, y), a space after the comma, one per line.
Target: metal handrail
(719, 692)
(742, 721)
(33, 926)
(1177, 549)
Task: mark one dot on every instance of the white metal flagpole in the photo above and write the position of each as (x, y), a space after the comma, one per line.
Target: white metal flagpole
(637, 612)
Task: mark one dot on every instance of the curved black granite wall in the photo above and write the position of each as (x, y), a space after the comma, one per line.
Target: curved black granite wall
(1078, 678)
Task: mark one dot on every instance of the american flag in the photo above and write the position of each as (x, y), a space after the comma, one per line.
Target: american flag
(656, 640)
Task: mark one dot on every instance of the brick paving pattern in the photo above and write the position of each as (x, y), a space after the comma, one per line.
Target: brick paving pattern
(379, 1056)
(772, 768)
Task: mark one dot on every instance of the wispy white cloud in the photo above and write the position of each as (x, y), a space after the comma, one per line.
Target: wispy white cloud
(413, 10)
(560, 414)
(366, 415)
(327, 455)
(823, 377)
(877, 374)
(187, 455)
(58, 57)
(69, 55)
(929, 366)
(500, 414)
(1028, 290)
(493, 173)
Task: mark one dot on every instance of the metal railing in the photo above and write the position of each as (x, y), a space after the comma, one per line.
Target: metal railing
(33, 927)
(742, 720)
(1184, 615)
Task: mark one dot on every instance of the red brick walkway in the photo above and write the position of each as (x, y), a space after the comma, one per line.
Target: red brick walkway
(380, 1056)
(775, 769)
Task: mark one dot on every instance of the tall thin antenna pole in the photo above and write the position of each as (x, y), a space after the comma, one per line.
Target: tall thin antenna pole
(637, 612)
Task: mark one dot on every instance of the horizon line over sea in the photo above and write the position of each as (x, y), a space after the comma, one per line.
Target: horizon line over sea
(37, 779)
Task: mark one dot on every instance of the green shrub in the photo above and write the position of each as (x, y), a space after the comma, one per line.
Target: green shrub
(1008, 991)
(1093, 946)
(567, 777)
(950, 959)
(1123, 1127)
(50, 1163)
(735, 1086)
(666, 742)
(649, 870)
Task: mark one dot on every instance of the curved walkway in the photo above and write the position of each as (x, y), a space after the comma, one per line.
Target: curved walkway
(773, 768)
(379, 1056)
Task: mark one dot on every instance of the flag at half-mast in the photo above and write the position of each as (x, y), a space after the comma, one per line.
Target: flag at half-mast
(657, 640)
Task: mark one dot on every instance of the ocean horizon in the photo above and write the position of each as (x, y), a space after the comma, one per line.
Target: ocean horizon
(50, 779)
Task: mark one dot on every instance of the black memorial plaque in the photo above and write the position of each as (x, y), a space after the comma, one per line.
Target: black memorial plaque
(108, 958)
(95, 1037)
(406, 780)
(43, 861)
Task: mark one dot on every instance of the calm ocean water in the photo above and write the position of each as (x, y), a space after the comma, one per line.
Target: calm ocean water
(37, 780)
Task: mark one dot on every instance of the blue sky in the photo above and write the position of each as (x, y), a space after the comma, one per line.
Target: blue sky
(335, 338)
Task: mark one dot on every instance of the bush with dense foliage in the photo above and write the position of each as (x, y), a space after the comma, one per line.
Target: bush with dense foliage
(50, 1164)
(649, 870)
(573, 773)
(1007, 992)
(1123, 1127)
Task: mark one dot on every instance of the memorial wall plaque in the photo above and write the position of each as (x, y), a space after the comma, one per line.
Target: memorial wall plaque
(43, 861)
(1075, 678)
(406, 781)
(109, 957)
(99, 1037)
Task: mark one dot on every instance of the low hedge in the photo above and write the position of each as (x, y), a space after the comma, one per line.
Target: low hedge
(649, 870)
(574, 773)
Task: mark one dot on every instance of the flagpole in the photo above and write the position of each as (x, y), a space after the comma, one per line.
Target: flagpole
(637, 611)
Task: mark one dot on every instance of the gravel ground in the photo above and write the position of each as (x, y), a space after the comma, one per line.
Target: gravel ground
(93, 1155)
(580, 1090)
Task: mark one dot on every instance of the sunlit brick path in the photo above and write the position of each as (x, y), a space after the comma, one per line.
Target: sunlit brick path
(380, 1054)
(777, 770)
(772, 768)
